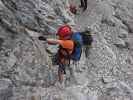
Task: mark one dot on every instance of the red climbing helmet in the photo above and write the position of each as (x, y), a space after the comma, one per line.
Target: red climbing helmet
(64, 30)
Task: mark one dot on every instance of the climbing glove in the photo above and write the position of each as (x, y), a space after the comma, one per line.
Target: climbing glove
(42, 38)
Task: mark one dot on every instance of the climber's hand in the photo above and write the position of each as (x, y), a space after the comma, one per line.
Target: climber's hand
(42, 38)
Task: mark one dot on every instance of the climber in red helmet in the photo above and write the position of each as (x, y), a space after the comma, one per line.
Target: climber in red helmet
(64, 31)
(65, 42)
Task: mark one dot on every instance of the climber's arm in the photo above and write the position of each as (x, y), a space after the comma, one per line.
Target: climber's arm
(51, 41)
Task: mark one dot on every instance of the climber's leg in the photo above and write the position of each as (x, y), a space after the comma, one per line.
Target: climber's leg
(82, 3)
(85, 5)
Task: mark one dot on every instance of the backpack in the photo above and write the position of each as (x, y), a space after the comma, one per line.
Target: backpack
(78, 42)
(87, 42)
(76, 53)
(87, 38)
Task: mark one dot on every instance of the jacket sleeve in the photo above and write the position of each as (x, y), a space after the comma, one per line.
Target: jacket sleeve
(52, 41)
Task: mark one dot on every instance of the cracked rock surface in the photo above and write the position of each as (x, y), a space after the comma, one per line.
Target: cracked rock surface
(26, 72)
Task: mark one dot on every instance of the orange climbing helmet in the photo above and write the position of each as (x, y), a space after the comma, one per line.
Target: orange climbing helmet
(64, 31)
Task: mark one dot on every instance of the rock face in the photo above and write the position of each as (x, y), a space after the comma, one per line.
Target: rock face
(26, 72)
(6, 89)
(21, 52)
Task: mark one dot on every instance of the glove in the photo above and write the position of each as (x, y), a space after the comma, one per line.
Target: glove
(42, 38)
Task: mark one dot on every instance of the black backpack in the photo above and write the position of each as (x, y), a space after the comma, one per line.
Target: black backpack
(87, 38)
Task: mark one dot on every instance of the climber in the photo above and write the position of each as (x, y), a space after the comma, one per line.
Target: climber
(66, 47)
(83, 4)
(70, 47)
(73, 9)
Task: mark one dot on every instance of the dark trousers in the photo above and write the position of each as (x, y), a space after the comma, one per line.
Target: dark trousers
(84, 4)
